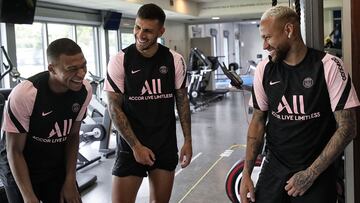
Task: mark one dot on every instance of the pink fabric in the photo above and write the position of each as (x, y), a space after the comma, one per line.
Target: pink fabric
(260, 95)
(116, 72)
(180, 70)
(22, 108)
(336, 77)
(87, 101)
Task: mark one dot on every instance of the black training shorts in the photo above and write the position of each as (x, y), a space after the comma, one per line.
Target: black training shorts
(270, 187)
(126, 165)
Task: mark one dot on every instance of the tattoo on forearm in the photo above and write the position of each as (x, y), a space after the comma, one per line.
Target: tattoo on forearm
(255, 138)
(183, 108)
(120, 120)
(345, 132)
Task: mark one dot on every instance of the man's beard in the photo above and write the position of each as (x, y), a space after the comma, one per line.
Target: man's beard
(280, 55)
(141, 48)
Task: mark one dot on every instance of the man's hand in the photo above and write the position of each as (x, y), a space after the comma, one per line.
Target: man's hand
(185, 154)
(300, 182)
(31, 199)
(143, 155)
(246, 186)
(69, 193)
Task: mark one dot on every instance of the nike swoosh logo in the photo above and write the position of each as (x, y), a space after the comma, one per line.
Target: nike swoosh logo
(273, 83)
(135, 71)
(47, 113)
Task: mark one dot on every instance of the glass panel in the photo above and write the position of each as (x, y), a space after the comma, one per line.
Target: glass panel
(237, 51)
(214, 45)
(226, 50)
(29, 49)
(336, 33)
(333, 27)
(56, 31)
(113, 42)
(86, 40)
(127, 39)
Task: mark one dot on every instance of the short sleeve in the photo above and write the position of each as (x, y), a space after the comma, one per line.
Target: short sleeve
(115, 76)
(341, 90)
(258, 98)
(180, 71)
(19, 108)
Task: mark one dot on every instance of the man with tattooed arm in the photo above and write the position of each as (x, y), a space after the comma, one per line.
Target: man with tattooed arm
(143, 82)
(305, 102)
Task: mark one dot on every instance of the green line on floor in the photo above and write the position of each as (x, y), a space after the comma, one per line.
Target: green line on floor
(208, 171)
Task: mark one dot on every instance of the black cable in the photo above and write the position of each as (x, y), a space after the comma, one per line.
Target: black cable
(274, 2)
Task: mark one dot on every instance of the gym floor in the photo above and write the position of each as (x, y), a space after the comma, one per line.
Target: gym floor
(219, 138)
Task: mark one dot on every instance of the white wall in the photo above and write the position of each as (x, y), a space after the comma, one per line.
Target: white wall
(228, 27)
(251, 44)
(175, 37)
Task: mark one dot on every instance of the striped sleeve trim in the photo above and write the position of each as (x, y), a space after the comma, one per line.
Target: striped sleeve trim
(180, 70)
(345, 95)
(82, 112)
(15, 121)
(112, 83)
(184, 84)
(253, 99)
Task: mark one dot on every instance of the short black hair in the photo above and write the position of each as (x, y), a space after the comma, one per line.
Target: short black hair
(62, 46)
(152, 12)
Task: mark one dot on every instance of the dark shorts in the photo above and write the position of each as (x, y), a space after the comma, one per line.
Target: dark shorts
(270, 187)
(126, 165)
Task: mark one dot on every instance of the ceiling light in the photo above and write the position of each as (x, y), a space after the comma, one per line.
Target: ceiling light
(215, 18)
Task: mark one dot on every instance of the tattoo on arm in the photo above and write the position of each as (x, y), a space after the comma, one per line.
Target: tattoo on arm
(183, 108)
(119, 118)
(255, 139)
(344, 134)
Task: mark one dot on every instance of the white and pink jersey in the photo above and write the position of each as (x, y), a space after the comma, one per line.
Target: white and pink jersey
(300, 101)
(148, 86)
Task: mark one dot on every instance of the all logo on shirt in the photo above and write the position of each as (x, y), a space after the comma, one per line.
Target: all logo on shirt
(154, 87)
(293, 110)
(296, 108)
(57, 134)
(61, 132)
(151, 90)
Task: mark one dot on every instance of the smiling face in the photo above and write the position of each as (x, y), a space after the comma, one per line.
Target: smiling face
(146, 32)
(67, 73)
(276, 39)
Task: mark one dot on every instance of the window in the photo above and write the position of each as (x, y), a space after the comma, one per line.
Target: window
(213, 39)
(113, 42)
(86, 40)
(56, 31)
(127, 39)
(226, 50)
(337, 38)
(237, 51)
(29, 49)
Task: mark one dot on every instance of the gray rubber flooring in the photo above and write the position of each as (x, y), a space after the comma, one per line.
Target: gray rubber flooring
(219, 127)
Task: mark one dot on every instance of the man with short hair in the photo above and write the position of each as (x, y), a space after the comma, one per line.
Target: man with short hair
(42, 122)
(304, 101)
(142, 84)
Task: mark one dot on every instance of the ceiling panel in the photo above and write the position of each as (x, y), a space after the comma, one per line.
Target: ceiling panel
(188, 11)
